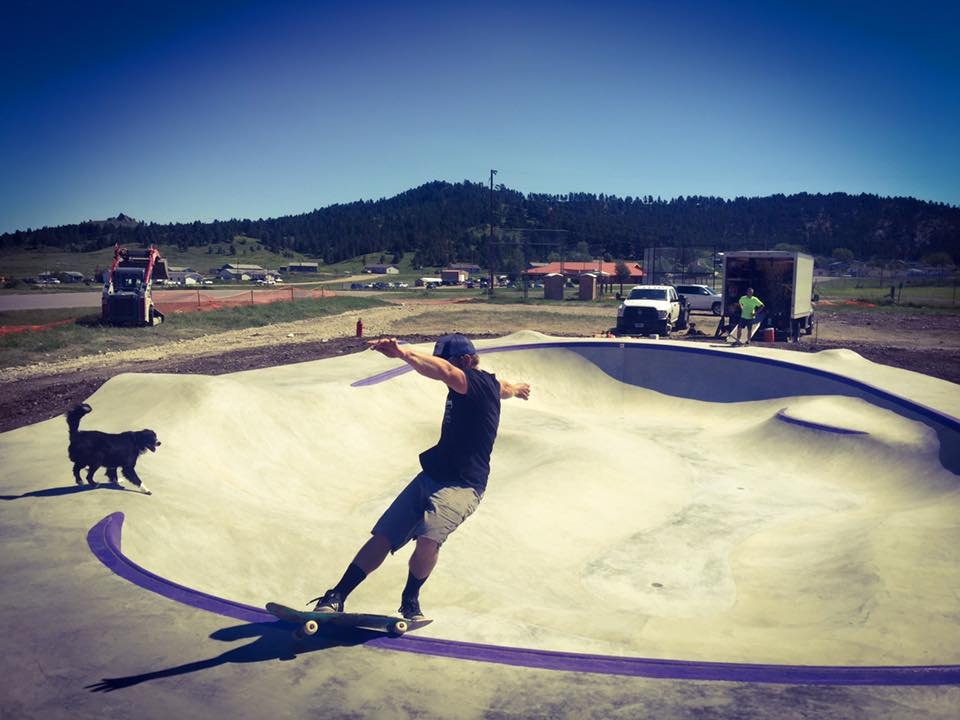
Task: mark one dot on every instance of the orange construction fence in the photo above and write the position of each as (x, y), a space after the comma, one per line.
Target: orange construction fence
(184, 301)
(11, 329)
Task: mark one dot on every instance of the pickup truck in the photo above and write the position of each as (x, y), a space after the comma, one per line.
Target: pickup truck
(651, 309)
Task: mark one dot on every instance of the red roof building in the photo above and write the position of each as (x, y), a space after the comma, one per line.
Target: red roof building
(576, 269)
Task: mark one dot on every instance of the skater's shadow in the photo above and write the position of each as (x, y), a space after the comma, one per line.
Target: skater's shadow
(64, 491)
(274, 641)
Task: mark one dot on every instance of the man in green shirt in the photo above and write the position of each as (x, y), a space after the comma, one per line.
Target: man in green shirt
(748, 314)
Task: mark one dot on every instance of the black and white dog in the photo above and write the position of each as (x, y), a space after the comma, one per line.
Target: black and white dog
(93, 449)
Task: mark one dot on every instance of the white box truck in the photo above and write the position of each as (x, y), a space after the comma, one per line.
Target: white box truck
(783, 280)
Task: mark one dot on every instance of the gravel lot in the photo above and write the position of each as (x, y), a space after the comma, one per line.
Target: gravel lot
(928, 344)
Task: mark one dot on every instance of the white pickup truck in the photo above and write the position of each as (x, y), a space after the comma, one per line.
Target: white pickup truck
(650, 309)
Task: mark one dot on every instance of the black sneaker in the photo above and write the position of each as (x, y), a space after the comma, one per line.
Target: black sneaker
(410, 609)
(330, 602)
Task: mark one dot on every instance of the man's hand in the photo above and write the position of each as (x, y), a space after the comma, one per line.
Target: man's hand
(387, 346)
(509, 390)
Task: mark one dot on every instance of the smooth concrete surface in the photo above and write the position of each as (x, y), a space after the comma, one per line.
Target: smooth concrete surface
(648, 501)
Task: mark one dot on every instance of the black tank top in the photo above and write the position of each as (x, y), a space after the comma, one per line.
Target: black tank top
(470, 422)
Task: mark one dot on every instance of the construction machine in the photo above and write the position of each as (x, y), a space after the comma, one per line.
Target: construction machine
(128, 287)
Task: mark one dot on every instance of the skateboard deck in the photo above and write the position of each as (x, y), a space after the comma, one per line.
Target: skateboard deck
(753, 331)
(310, 622)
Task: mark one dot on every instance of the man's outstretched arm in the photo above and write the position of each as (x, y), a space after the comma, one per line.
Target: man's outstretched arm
(429, 366)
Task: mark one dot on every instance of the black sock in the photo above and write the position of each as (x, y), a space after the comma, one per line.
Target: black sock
(351, 578)
(412, 588)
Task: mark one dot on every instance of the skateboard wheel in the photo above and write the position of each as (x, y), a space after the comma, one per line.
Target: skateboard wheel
(399, 627)
(310, 627)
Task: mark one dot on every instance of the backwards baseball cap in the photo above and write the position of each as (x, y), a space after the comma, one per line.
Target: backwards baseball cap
(452, 346)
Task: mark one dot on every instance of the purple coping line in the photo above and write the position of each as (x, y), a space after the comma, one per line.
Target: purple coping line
(782, 415)
(104, 540)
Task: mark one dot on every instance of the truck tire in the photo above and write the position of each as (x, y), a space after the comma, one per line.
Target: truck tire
(715, 308)
(667, 328)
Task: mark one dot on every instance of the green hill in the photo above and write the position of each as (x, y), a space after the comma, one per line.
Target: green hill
(441, 222)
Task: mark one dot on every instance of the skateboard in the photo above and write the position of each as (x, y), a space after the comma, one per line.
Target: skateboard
(753, 330)
(310, 622)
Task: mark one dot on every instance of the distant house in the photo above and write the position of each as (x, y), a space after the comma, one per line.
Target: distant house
(268, 275)
(238, 272)
(470, 268)
(451, 276)
(183, 276)
(304, 267)
(233, 275)
(240, 266)
(381, 269)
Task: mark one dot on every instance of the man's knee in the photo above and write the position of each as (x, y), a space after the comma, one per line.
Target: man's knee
(427, 546)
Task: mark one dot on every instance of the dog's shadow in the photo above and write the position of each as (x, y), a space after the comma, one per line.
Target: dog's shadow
(67, 490)
(274, 641)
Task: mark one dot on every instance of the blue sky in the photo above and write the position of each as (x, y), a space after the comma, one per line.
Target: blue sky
(193, 111)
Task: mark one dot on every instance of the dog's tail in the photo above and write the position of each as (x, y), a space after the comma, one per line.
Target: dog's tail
(74, 415)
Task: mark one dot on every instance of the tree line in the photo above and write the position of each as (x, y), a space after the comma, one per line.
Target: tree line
(442, 222)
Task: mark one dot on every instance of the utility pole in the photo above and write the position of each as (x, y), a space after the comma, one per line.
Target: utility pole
(490, 238)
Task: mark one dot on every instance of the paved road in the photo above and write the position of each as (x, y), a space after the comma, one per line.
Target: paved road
(46, 301)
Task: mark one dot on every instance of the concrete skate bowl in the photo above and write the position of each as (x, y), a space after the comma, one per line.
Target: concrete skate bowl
(656, 509)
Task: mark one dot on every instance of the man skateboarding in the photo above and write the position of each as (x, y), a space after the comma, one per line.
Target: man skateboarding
(454, 471)
(748, 314)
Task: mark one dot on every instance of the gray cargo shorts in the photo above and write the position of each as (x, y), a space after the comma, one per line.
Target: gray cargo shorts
(426, 508)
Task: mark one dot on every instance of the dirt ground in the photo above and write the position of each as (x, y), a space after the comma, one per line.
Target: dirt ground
(928, 344)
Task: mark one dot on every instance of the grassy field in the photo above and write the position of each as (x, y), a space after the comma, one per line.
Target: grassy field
(82, 334)
(933, 296)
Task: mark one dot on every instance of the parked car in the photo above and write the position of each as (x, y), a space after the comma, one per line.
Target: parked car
(701, 297)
